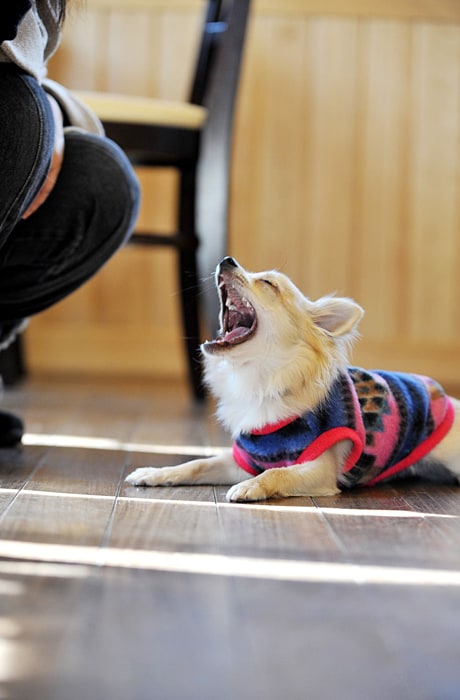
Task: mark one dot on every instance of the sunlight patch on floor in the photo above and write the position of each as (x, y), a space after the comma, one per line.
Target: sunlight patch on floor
(223, 565)
(102, 443)
(261, 507)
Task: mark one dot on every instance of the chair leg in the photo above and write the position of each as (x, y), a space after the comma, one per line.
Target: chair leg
(189, 293)
(189, 282)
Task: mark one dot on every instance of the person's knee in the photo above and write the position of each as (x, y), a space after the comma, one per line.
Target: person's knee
(99, 176)
(26, 138)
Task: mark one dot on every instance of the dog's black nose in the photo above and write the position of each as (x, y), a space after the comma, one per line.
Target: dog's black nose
(227, 262)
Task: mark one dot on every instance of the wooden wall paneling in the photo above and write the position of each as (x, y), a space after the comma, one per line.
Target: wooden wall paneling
(432, 10)
(382, 182)
(151, 53)
(294, 153)
(304, 131)
(179, 30)
(249, 150)
(80, 60)
(434, 242)
(132, 51)
(329, 214)
(345, 175)
(284, 148)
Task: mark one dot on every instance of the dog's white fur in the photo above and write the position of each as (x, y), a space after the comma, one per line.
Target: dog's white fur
(284, 368)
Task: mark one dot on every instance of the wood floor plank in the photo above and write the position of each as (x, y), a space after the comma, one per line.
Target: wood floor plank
(68, 498)
(74, 407)
(166, 525)
(441, 500)
(179, 637)
(277, 531)
(445, 503)
(53, 519)
(351, 597)
(35, 616)
(200, 514)
(384, 497)
(80, 471)
(199, 526)
(18, 464)
(394, 541)
(419, 624)
(198, 637)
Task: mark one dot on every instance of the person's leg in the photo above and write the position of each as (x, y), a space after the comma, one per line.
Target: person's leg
(11, 428)
(89, 214)
(26, 138)
(26, 141)
(87, 217)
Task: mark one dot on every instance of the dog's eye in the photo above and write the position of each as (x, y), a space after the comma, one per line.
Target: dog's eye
(270, 284)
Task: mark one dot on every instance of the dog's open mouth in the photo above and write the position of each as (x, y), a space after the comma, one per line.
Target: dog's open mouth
(238, 319)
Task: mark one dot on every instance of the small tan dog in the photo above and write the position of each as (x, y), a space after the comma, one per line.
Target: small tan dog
(303, 422)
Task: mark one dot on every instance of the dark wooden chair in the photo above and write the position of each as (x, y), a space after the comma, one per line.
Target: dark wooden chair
(195, 138)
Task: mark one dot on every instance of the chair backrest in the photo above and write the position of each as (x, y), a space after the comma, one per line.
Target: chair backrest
(211, 34)
(220, 56)
(223, 33)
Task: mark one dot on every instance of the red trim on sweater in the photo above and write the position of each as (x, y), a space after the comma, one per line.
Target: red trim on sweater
(322, 443)
(240, 458)
(330, 438)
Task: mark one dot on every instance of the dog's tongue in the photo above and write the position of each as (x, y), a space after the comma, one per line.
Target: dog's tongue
(237, 324)
(234, 335)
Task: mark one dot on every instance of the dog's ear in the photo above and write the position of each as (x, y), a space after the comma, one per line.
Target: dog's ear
(337, 315)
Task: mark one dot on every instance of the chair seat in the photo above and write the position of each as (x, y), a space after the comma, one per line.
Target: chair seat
(127, 109)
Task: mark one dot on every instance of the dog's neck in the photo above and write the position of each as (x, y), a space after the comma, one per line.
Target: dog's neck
(251, 398)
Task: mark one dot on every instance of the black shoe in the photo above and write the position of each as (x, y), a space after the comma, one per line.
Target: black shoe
(11, 429)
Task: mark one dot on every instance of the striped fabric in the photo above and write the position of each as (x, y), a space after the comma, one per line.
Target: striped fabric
(392, 420)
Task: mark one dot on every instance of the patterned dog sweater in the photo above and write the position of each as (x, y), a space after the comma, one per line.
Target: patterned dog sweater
(392, 420)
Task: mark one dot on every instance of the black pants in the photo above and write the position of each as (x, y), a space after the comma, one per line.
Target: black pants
(89, 214)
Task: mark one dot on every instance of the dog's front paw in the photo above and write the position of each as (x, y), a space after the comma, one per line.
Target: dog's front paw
(247, 491)
(150, 476)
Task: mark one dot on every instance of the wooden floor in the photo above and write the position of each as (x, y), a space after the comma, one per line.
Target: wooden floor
(108, 591)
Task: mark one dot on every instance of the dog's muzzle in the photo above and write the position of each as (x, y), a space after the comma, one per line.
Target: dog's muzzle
(238, 318)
